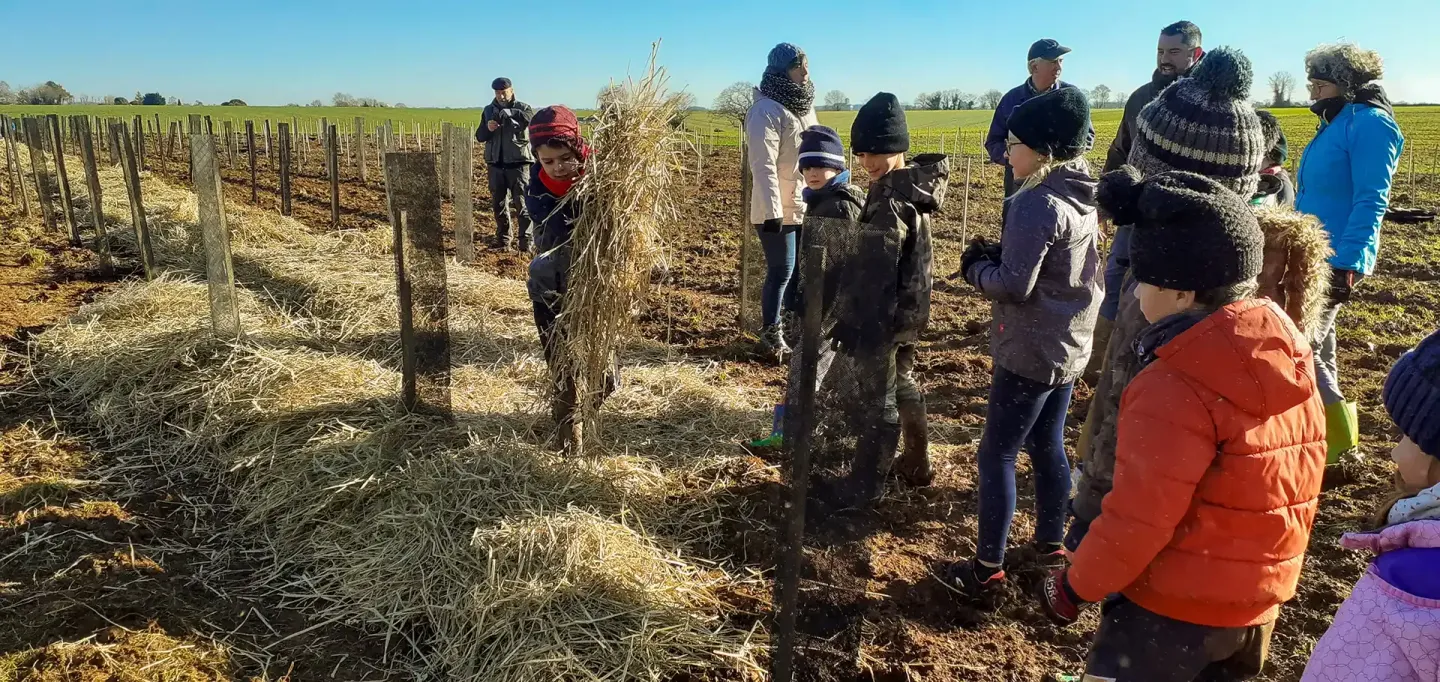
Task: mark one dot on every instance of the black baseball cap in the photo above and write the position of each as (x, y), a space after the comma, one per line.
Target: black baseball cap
(1047, 48)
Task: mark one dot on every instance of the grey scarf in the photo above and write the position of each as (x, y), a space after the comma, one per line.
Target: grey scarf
(796, 98)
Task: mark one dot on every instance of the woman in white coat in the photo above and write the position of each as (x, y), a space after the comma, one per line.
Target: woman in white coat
(784, 106)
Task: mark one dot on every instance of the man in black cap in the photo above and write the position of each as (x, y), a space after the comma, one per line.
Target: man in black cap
(504, 128)
(1045, 63)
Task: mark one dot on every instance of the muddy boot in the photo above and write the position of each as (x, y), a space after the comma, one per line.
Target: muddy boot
(913, 466)
(523, 246)
(874, 455)
(772, 343)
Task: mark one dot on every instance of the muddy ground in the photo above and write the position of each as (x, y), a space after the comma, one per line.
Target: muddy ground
(100, 556)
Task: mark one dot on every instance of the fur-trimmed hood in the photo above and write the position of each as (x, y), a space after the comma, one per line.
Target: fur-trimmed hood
(1296, 274)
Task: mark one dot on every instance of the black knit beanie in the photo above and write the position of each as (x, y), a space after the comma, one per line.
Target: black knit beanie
(1056, 124)
(1274, 139)
(1191, 233)
(879, 127)
(500, 84)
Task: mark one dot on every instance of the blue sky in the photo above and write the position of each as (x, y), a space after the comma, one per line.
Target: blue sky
(445, 52)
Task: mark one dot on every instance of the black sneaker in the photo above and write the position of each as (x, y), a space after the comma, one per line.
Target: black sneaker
(974, 578)
(1050, 554)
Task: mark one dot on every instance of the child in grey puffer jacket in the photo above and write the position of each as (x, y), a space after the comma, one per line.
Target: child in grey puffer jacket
(1045, 283)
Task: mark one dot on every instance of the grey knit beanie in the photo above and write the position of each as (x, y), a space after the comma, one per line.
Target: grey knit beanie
(782, 57)
(1204, 124)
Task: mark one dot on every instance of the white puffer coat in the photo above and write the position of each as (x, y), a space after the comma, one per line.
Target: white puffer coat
(773, 134)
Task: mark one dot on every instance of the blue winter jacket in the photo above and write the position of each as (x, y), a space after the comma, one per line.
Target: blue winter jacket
(1000, 123)
(1345, 176)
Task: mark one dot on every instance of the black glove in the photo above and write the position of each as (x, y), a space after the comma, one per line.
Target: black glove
(1058, 601)
(844, 338)
(1342, 285)
(774, 225)
(978, 250)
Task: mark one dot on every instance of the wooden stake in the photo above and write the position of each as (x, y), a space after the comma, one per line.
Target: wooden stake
(334, 179)
(92, 184)
(285, 208)
(66, 203)
(447, 161)
(360, 147)
(965, 206)
(139, 124)
(137, 207)
(250, 156)
(215, 233)
(420, 279)
(42, 173)
(792, 555)
(464, 164)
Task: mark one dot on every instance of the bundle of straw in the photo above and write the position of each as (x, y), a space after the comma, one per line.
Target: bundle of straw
(628, 192)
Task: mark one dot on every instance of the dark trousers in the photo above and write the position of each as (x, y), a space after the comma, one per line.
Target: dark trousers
(782, 272)
(1026, 413)
(1136, 644)
(563, 402)
(507, 190)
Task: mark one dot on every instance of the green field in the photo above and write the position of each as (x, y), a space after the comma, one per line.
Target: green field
(930, 130)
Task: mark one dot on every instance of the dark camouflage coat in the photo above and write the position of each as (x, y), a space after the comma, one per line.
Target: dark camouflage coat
(900, 203)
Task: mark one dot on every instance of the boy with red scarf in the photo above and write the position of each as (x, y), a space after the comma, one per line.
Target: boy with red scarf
(561, 153)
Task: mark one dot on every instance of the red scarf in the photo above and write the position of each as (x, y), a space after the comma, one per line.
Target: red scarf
(557, 187)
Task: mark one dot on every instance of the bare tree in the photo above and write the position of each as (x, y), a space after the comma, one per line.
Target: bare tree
(836, 100)
(991, 99)
(930, 101)
(6, 95)
(1281, 85)
(735, 100)
(341, 99)
(1100, 97)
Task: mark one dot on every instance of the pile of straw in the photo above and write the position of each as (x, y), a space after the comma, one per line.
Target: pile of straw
(470, 548)
(628, 194)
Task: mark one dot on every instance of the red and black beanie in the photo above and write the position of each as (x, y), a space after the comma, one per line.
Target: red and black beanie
(557, 124)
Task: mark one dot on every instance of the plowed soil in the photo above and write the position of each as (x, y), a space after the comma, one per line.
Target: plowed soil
(873, 606)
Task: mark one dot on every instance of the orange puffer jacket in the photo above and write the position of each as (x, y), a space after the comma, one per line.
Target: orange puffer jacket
(1220, 453)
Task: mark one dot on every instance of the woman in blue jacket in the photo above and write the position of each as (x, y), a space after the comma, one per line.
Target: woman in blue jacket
(1345, 177)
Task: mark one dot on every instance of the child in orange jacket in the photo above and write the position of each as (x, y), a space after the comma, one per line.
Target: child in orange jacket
(1220, 454)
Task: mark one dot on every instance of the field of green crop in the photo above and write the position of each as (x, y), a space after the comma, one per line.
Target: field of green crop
(930, 130)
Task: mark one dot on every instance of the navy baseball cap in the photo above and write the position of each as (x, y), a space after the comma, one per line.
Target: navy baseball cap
(1047, 48)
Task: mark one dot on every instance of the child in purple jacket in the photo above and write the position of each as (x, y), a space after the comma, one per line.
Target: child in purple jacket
(1389, 628)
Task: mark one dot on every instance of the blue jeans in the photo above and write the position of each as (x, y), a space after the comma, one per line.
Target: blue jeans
(1029, 413)
(781, 268)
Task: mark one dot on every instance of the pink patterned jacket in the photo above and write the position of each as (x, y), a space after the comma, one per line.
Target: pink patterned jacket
(1383, 633)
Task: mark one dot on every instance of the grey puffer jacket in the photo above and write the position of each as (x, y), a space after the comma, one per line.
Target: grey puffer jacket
(900, 203)
(1047, 287)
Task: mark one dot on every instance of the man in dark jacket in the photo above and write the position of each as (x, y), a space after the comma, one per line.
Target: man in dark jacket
(1045, 66)
(503, 129)
(1178, 52)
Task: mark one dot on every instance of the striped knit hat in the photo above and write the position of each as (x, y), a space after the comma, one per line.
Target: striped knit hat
(1204, 124)
(820, 148)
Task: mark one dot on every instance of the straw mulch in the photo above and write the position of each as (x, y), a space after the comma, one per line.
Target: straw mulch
(471, 550)
(628, 194)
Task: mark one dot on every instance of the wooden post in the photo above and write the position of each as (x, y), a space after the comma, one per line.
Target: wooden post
(137, 207)
(210, 197)
(285, 208)
(749, 317)
(250, 156)
(360, 147)
(965, 206)
(334, 178)
(139, 124)
(42, 173)
(792, 556)
(420, 281)
(116, 158)
(447, 162)
(92, 184)
(1412, 156)
(464, 164)
(231, 148)
(195, 123)
(267, 139)
(12, 151)
(66, 203)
